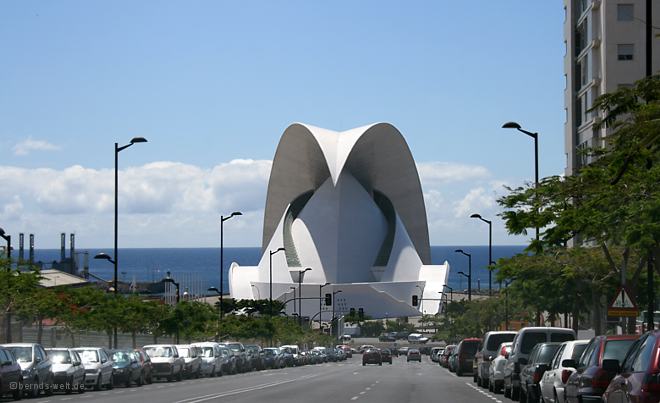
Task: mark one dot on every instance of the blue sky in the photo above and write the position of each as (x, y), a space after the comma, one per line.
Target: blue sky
(213, 84)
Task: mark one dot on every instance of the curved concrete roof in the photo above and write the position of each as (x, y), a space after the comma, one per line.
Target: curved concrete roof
(376, 155)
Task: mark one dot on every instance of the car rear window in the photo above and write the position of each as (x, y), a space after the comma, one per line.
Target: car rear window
(617, 349)
(530, 339)
(470, 347)
(578, 350)
(561, 337)
(546, 353)
(495, 340)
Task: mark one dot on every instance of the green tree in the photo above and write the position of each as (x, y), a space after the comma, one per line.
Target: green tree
(16, 288)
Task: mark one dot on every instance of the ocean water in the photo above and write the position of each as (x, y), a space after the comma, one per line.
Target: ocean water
(199, 268)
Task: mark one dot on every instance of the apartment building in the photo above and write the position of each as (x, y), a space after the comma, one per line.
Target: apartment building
(605, 42)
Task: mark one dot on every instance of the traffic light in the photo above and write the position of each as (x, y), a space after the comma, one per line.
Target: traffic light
(352, 312)
(328, 299)
(415, 300)
(361, 313)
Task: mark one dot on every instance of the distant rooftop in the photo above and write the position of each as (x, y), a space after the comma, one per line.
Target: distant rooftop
(55, 278)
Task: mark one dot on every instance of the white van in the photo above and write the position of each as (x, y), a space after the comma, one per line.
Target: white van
(523, 343)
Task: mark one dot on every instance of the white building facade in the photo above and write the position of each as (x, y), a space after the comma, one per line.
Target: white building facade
(605, 46)
(349, 206)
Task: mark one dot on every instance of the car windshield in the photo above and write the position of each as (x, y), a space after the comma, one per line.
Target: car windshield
(578, 350)
(207, 352)
(184, 352)
(159, 351)
(59, 357)
(546, 353)
(89, 356)
(470, 348)
(22, 354)
(253, 349)
(234, 346)
(120, 357)
(268, 352)
(494, 340)
(616, 349)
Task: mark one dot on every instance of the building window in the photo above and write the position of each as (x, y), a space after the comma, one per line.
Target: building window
(582, 6)
(624, 12)
(625, 51)
(581, 38)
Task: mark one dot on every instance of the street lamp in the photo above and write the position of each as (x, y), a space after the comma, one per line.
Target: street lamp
(294, 298)
(469, 275)
(222, 257)
(321, 307)
(301, 273)
(506, 303)
(535, 136)
(134, 140)
(105, 256)
(270, 279)
(490, 251)
(168, 279)
(332, 321)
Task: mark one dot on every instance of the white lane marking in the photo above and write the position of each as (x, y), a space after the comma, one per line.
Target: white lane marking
(354, 398)
(66, 398)
(483, 393)
(198, 399)
(355, 373)
(363, 392)
(367, 388)
(377, 381)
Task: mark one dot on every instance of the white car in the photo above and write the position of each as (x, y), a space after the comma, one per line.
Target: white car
(496, 368)
(211, 358)
(554, 379)
(165, 361)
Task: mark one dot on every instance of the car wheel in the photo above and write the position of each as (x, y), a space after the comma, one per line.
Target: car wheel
(68, 387)
(35, 389)
(17, 394)
(459, 372)
(380, 363)
(140, 380)
(179, 377)
(507, 392)
(363, 364)
(81, 386)
(522, 396)
(48, 387)
(111, 384)
(98, 383)
(515, 393)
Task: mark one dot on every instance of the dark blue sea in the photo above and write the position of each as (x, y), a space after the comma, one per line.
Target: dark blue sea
(198, 268)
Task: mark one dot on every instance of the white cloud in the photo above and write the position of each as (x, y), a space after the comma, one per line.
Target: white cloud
(447, 172)
(28, 145)
(476, 199)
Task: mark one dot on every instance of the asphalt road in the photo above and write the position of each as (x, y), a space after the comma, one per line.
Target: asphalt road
(347, 381)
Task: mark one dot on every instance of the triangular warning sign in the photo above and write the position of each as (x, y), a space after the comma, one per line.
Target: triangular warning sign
(622, 300)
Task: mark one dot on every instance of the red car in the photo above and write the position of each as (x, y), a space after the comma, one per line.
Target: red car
(443, 360)
(591, 378)
(639, 378)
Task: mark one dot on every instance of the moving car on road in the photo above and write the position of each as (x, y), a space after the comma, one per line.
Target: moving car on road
(386, 355)
(413, 355)
(372, 356)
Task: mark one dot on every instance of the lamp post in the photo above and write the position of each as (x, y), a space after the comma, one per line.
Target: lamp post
(506, 303)
(535, 136)
(294, 298)
(332, 320)
(270, 280)
(118, 149)
(168, 279)
(301, 274)
(490, 251)
(321, 307)
(105, 256)
(451, 293)
(469, 275)
(222, 256)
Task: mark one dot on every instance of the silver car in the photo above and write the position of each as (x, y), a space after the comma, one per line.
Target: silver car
(98, 367)
(192, 360)
(165, 361)
(211, 358)
(36, 367)
(68, 370)
(496, 368)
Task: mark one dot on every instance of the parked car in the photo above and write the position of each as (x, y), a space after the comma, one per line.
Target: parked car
(11, 375)
(372, 356)
(98, 367)
(639, 376)
(228, 361)
(273, 358)
(255, 356)
(453, 358)
(126, 368)
(443, 360)
(522, 346)
(487, 352)
(211, 357)
(496, 368)
(192, 361)
(386, 355)
(554, 380)
(165, 361)
(68, 370)
(435, 353)
(413, 355)
(295, 353)
(287, 357)
(590, 379)
(533, 370)
(238, 349)
(387, 337)
(465, 352)
(36, 367)
(145, 362)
